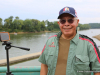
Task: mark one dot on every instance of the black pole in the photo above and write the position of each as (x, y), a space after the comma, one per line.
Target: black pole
(27, 49)
(7, 47)
(7, 56)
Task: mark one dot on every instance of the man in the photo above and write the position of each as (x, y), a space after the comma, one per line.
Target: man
(69, 53)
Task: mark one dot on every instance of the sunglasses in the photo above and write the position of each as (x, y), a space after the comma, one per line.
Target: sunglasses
(63, 21)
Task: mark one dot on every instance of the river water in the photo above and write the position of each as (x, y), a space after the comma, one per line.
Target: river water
(35, 41)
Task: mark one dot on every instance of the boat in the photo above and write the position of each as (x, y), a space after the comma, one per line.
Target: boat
(15, 33)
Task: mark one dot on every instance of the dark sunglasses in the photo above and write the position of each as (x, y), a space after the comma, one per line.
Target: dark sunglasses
(63, 21)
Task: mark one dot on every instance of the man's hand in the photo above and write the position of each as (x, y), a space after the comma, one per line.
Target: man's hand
(97, 73)
(44, 69)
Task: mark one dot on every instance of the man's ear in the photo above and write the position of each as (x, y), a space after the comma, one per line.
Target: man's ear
(58, 23)
(77, 21)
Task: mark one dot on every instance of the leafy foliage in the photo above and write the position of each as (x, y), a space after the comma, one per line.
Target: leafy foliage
(33, 25)
(94, 25)
(84, 26)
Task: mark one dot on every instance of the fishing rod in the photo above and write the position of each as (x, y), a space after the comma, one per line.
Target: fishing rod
(5, 37)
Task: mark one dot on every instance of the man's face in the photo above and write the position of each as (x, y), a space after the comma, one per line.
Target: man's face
(68, 28)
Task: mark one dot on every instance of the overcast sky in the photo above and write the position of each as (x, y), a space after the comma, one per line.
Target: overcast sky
(88, 11)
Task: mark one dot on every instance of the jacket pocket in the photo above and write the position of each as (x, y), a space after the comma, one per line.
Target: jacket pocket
(81, 63)
(49, 59)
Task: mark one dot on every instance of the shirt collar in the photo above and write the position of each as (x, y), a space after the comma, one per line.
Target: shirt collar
(59, 34)
(75, 39)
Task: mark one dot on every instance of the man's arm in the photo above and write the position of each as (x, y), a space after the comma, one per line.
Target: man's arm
(97, 73)
(44, 69)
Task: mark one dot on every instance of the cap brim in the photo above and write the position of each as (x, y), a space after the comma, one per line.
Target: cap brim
(65, 13)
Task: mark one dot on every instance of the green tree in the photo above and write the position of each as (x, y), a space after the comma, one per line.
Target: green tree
(50, 26)
(94, 25)
(1, 25)
(43, 28)
(84, 26)
(17, 23)
(20, 24)
(17, 18)
(6, 23)
(36, 25)
(11, 22)
(56, 26)
(27, 25)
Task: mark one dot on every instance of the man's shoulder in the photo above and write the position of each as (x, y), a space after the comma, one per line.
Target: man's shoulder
(85, 37)
(56, 35)
(52, 37)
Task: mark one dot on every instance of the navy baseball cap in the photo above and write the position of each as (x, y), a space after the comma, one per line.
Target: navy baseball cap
(68, 10)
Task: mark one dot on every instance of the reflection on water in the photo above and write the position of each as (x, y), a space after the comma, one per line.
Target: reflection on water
(36, 41)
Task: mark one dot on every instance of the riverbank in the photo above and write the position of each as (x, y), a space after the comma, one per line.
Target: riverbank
(38, 32)
(31, 32)
(97, 37)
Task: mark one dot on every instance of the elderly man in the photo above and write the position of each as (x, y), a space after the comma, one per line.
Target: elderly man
(69, 53)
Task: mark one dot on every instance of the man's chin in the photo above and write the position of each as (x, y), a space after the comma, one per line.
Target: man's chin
(67, 33)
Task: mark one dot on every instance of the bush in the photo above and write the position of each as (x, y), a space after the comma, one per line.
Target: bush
(16, 30)
(9, 30)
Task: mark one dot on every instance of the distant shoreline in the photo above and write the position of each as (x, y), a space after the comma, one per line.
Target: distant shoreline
(37, 32)
(31, 32)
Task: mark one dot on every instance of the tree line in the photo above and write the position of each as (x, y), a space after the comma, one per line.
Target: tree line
(94, 25)
(83, 26)
(27, 25)
(32, 25)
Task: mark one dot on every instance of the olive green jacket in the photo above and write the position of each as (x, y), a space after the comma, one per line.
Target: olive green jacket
(82, 51)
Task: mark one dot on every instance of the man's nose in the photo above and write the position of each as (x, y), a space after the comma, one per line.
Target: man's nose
(66, 23)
